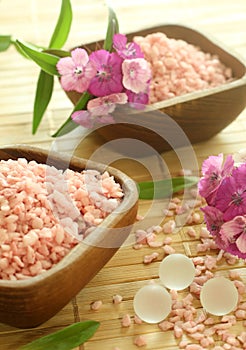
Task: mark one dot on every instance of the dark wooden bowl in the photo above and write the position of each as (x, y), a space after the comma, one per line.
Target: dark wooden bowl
(31, 302)
(200, 114)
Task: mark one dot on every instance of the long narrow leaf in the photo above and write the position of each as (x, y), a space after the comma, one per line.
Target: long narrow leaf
(69, 124)
(65, 339)
(5, 42)
(42, 98)
(57, 52)
(164, 188)
(46, 61)
(63, 26)
(113, 28)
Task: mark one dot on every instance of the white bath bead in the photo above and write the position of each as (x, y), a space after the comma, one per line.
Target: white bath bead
(177, 271)
(152, 303)
(219, 296)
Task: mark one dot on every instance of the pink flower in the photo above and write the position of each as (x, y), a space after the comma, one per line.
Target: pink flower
(233, 234)
(231, 198)
(108, 79)
(213, 218)
(213, 172)
(106, 104)
(126, 50)
(136, 74)
(98, 110)
(139, 100)
(76, 71)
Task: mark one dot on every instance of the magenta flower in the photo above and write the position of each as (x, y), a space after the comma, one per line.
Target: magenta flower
(213, 218)
(76, 71)
(108, 79)
(213, 172)
(231, 198)
(98, 110)
(139, 100)
(126, 50)
(233, 234)
(136, 74)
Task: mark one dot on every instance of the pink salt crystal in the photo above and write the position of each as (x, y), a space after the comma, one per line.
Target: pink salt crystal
(140, 341)
(210, 262)
(240, 287)
(137, 320)
(191, 232)
(96, 305)
(176, 200)
(178, 332)
(167, 213)
(139, 217)
(168, 249)
(137, 246)
(167, 240)
(234, 275)
(204, 233)
(169, 226)
(155, 244)
(196, 217)
(194, 347)
(165, 325)
(150, 258)
(172, 206)
(241, 314)
(242, 338)
(126, 321)
(117, 299)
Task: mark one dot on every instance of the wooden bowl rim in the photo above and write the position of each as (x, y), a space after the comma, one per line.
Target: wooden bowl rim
(129, 200)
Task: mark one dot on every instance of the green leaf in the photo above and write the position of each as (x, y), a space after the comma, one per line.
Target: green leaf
(42, 98)
(65, 339)
(63, 26)
(59, 53)
(46, 61)
(113, 28)
(5, 42)
(164, 188)
(69, 124)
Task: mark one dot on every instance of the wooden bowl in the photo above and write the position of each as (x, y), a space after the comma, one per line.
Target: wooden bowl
(28, 303)
(201, 114)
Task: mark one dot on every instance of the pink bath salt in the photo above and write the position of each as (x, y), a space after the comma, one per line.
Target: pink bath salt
(167, 240)
(140, 340)
(117, 299)
(194, 347)
(150, 258)
(141, 236)
(168, 249)
(204, 233)
(169, 226)
(196, 217)
(96, 305)
(165, 325)
(234, 275)
(126, 321)
(210, 262)
(43, 213)
(240, 286)
(155, 244)
(242, 337)
(240, 314)
(178, 332)
(137, 320)
(191, 232)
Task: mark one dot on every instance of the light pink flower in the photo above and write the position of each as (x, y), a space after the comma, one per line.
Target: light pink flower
(139, 100)
(76, 71)
(108, 79)
(106, 104)
(136, 74)
(126, 50)
(98, 110)
(233, 234)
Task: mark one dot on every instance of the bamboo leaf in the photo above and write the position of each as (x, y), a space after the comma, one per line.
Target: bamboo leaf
(46, 61)
(57, 52)
(63, 26)
(164, 188)
(113, 28)
(69, 124)
(65, 339)
(42, 98)
(5, 42)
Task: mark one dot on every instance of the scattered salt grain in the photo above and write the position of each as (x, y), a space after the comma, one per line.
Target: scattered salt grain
(140, 341)
(126, 321)
(96, 305)
(117, 299)
(150, 258)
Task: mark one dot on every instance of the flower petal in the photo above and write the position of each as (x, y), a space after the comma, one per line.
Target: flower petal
(80, 57)
(83, 118)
